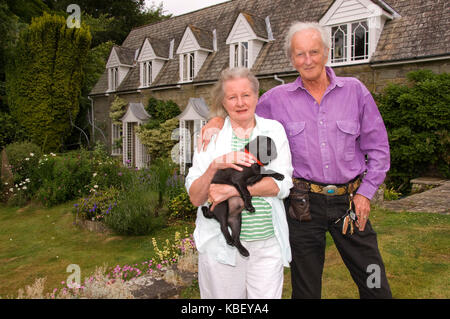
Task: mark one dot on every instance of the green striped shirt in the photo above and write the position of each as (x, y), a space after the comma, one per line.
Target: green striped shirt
(257, 225)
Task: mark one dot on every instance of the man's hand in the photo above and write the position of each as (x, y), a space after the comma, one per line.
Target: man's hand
(211, 128)
(362, 210)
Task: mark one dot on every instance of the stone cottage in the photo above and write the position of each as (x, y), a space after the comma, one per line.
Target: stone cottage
(377, 41)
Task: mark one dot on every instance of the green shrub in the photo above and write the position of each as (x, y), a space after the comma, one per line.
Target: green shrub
(97, 205)
(417, 118)
(64, 178)
(180, 207)
(23, 158)
(135, 210)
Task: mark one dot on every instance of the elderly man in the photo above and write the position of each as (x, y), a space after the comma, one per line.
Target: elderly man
(340, 155)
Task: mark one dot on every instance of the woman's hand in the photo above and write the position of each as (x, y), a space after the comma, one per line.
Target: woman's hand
(232, 160)
(219, 193)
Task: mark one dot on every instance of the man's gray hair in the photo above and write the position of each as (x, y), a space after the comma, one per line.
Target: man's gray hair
(300, 26)
(218, 93)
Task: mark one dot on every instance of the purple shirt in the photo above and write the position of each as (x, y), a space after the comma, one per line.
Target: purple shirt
(329, 141)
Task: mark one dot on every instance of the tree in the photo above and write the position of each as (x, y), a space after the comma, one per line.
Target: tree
(44, 79)
(126, 14)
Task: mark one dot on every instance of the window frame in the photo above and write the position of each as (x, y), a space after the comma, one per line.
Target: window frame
(241, 55)
(187, 67)
(349, 43)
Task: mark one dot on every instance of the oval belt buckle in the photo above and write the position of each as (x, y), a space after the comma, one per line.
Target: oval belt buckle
(330, 190)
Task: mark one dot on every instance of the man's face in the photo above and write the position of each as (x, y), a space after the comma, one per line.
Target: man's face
(308, 54)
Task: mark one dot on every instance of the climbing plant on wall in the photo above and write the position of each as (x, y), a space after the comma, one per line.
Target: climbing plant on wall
(45, 77)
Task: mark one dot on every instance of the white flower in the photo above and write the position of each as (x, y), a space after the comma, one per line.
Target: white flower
(53, 154)
(95, 174)
(27, 180)
(31, 154)
(11, 189)
(6, 183)
(95, 186)
(24, 187)
(27, 159)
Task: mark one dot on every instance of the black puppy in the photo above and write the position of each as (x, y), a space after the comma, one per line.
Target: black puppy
(228, 213)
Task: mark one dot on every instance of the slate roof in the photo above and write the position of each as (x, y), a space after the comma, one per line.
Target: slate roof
(204, 37)
(138, 110)
(126, 55)
(423, 30)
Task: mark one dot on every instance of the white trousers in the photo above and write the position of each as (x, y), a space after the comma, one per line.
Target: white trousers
(259, 276)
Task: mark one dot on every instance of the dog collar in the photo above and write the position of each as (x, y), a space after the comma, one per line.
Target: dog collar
(257, 160)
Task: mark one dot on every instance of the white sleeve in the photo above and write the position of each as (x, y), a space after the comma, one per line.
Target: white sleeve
(200, 164)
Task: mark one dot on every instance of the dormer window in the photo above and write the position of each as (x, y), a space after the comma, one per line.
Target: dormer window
(188, 67)
(193, 50)
(146, 73)
(120, 61)
(113, 78)
(354, 29)
(240, 54)
(347, 48)
(246, 39)
(151, 59)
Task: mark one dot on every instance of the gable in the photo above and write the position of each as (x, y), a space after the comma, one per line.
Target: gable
(147, 53)
(113, 60)
(241, 31)
(188, 42)
(351, 10)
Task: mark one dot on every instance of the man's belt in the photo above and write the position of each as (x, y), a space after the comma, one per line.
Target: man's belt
(329, 190)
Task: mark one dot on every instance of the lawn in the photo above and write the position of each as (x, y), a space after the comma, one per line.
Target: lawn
(416, 251)
(39, 242)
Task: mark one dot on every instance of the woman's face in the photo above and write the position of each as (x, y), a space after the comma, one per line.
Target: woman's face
(240, 100)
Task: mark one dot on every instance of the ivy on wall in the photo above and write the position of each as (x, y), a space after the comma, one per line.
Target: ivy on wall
(45, 77)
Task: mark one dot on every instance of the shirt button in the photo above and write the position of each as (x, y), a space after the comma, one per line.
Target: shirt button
(326, 166)
(321, 122)
(323, 144)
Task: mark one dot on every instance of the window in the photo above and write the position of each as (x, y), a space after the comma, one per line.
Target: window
(113, 78)
(188, 67)
(240, 54)
(146, 73)
(116, 139)
(350, 42)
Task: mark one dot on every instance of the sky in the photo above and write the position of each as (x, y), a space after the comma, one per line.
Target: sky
(177, 7)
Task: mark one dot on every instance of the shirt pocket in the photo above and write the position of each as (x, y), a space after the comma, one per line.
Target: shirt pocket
(297, 139)
(348, 132)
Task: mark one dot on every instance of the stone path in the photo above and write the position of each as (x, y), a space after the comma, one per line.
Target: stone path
(435, 200)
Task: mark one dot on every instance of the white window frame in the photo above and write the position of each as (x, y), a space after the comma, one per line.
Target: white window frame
(113, 78)
(187, 61)
(241, 55)
(349, 43)
(116, 133)
(147, 73)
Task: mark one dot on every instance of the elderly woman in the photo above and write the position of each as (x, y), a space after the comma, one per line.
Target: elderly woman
(223, 272)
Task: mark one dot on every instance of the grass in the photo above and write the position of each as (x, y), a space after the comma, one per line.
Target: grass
(39, 242)
(416, 252)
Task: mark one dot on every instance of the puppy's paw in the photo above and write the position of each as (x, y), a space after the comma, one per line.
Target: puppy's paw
(278, 176)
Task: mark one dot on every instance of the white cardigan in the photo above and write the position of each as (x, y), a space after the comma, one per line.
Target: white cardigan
(207, 235)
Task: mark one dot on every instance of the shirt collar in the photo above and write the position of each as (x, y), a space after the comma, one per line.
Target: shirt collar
(334, 81)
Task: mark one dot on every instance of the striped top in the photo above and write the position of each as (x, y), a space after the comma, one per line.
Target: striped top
(257, 225)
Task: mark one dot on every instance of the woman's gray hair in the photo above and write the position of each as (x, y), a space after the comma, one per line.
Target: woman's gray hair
(218, 93)
(300, 26)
